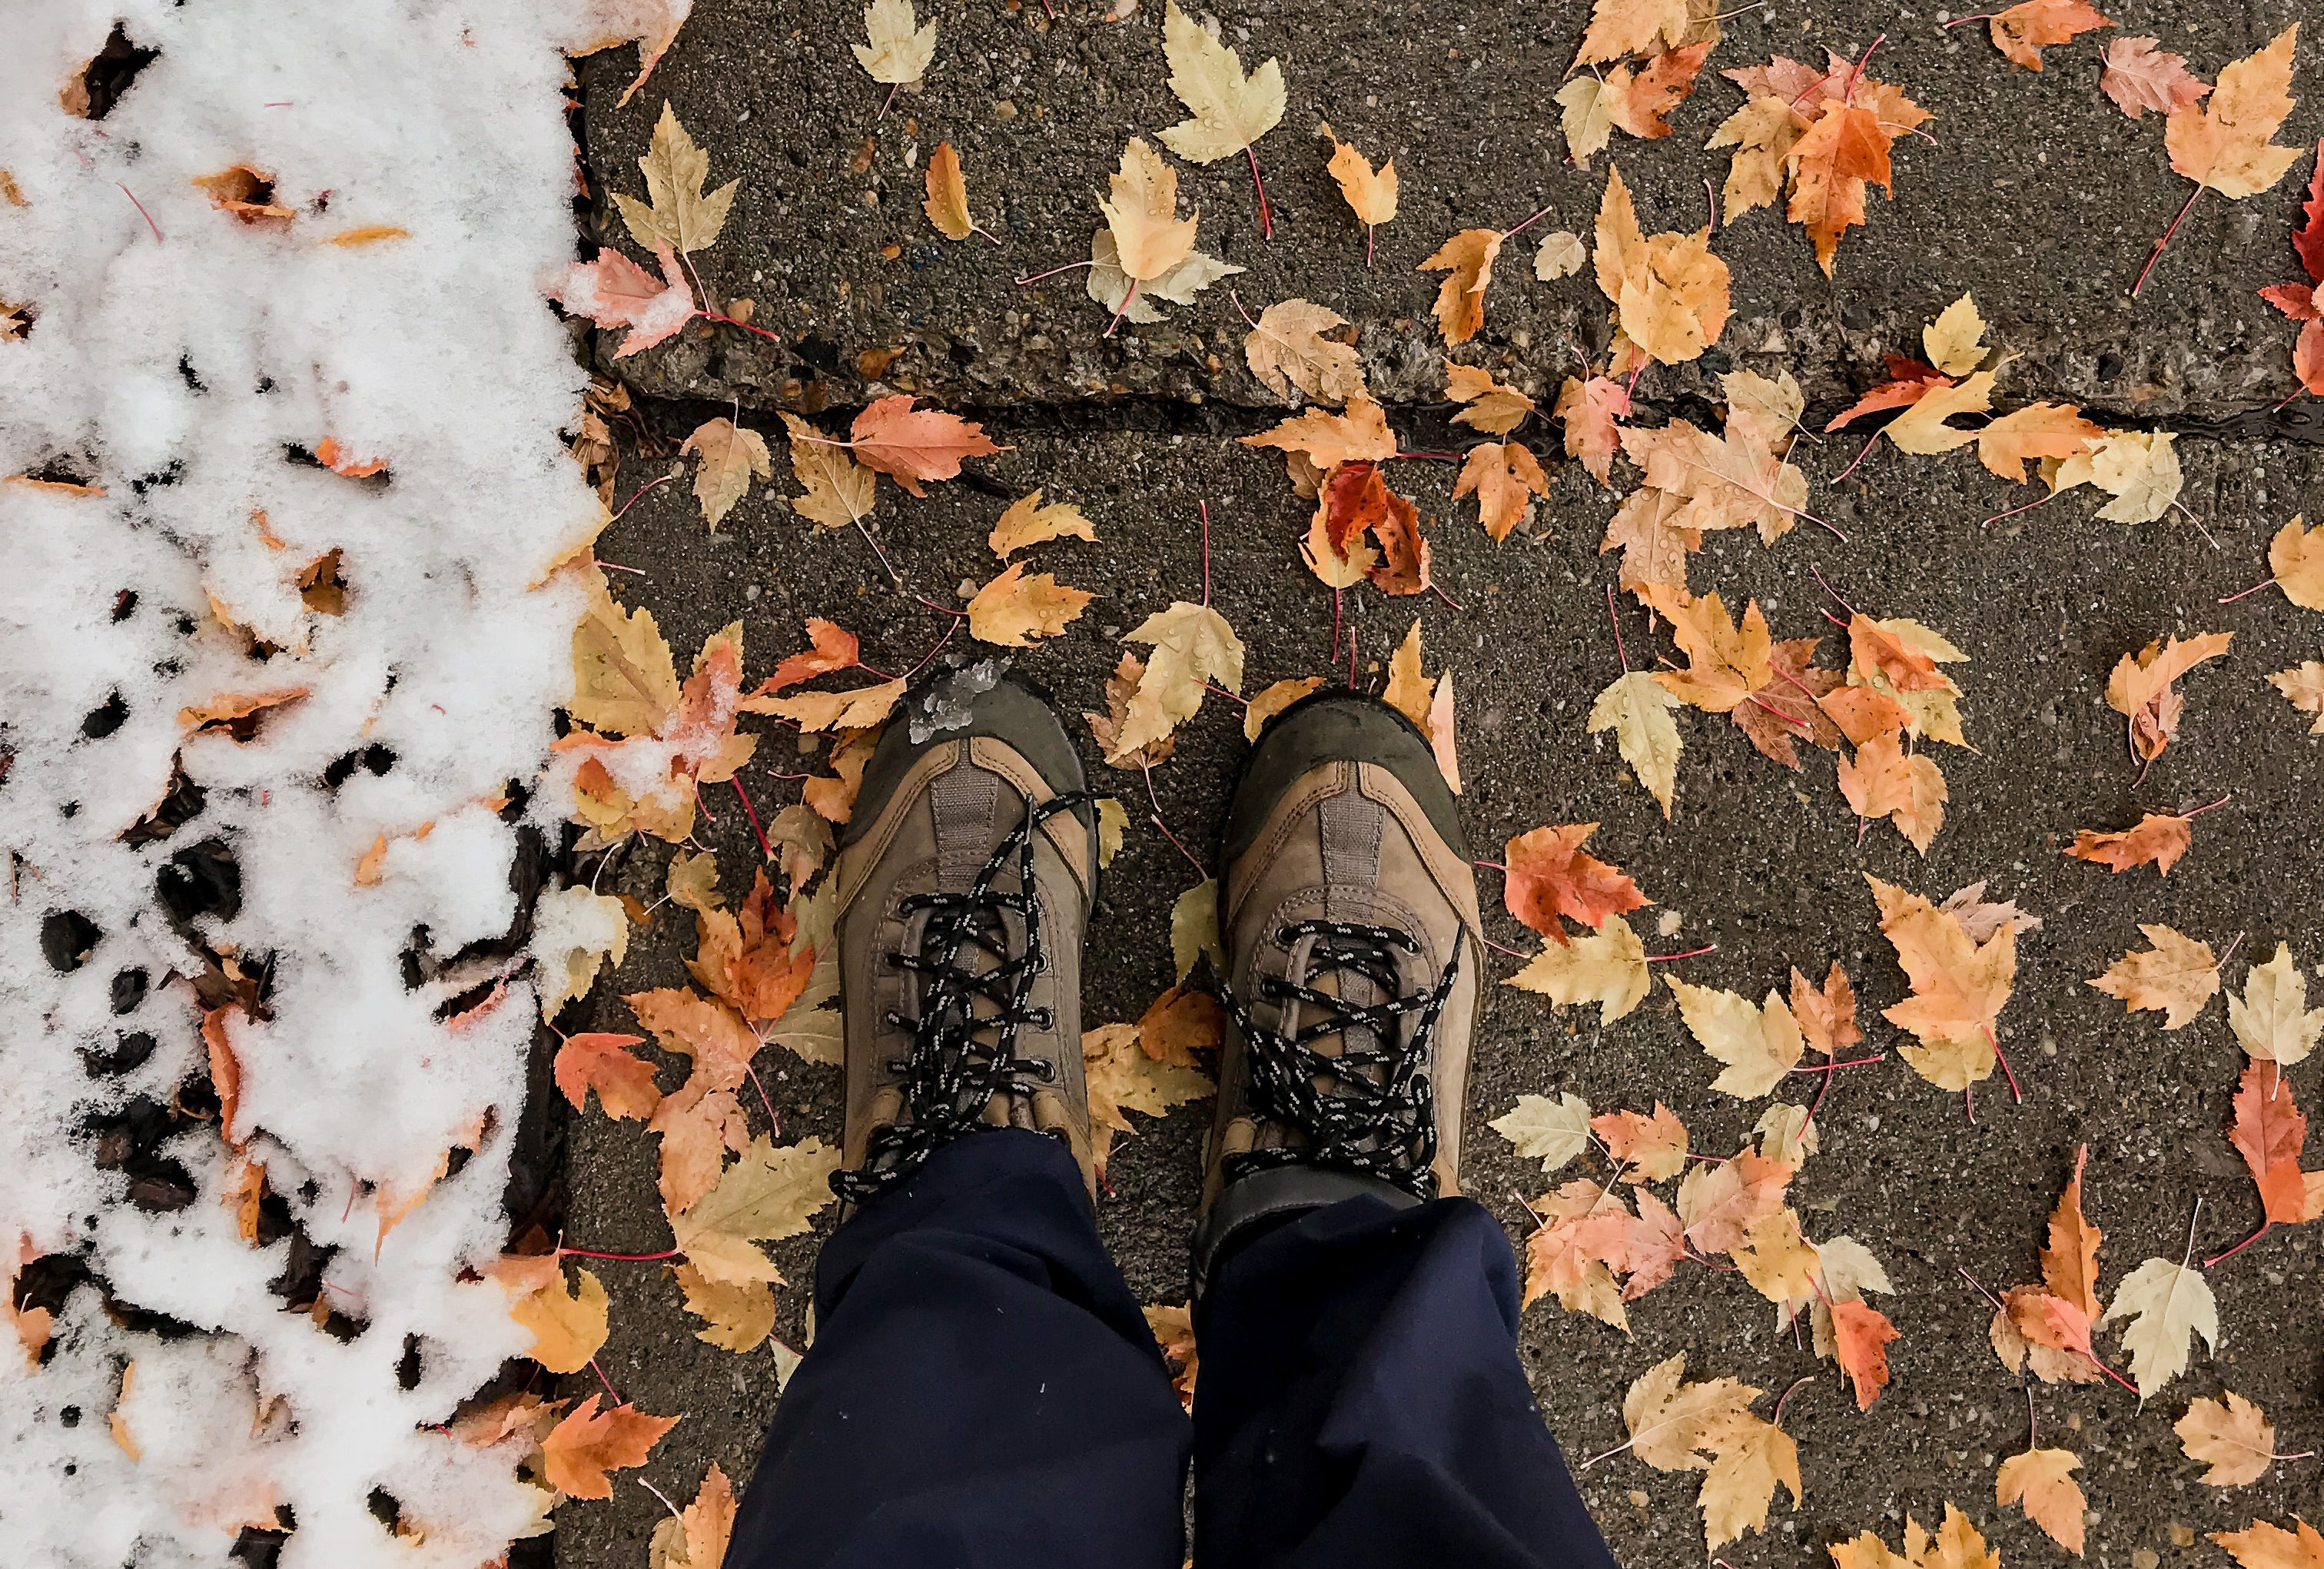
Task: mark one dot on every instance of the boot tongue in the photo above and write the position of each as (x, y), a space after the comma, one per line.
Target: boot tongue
(965, 800)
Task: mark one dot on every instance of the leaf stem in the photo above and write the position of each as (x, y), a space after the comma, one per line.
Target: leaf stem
(2149, 268)
(1036, 277)
(565, 1252)
(1266, 213)
(2246, 594)
(1690, 953)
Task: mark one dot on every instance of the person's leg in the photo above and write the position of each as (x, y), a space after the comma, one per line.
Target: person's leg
(1361, 1404)
(982, 1390)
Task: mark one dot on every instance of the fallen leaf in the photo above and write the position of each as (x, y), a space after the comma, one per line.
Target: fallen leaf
(1759, 1044)
(770, 1194)
(2138, 76)
(1763, 133)
(1272, 701)
(2021, 33)
(1735, 480)
(2302, 686)
(1548, 875)
(1955, 1546)
(1742, 1480)
(1491, 406)
(729, 455)
(1637, 708)
(2162, 1305)
(1551, 1129)
(2139, 468)
(675, 215)
(1786, 1134)
(1587, 116)
(1505, 478)
(602, 1062)
(2041, 1481)
(2296, 558)
(1646, 1148)
(899, 50)
(1193, 645)
(1288, 349)
(913, 446)
(1561, 254)
(1826, 1016)
(737, 1317)
(1670, 293)
(697, 1536)
(568, 1327)
(2038, 431)
(1959, 987)
(1587, 409)
(1371, 196)
(1195, 929)
(1467, 261)
(1177, 284)
(1676, 1426)
(1121, 1078)
(587, 1443)
(2158, 838)
(2176, 978)
(1028, 522)
(1719, 1203)
(947, 200)
(1650, 530)
(1726, 662)
(1174, 1331)
(840, 491)
(2232, 1437)
(246, 193)
(2140, 687)
(1148, 237)
(1607, 967)
(2262, 1546)
(1640, 103)
(1230, 110)
(1861, 1337)
(2271, 1020)
(1329, 439)
(2269, 1131)
(1620, 27)
(2223, 144)
(614, 291)
(1014, 611)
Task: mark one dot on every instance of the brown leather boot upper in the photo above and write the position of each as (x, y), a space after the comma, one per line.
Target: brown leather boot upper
(1352, 934)
(960, 930)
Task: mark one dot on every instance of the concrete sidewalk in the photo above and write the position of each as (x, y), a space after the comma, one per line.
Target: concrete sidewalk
(2037, 195)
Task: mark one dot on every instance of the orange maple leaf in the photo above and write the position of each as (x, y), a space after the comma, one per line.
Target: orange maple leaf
(2157, 838)
(1859, 1340)
(2070, 1260)
(1826, 1017)
(2268, 1133)
(892, 438)
(832, 648)
(587, 1443)
(746, 959)
(2020, 31)
(603, 1062)
(1909, 380)
(1549, 876)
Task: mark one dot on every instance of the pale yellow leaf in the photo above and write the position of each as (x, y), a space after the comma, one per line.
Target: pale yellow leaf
(1230, 110)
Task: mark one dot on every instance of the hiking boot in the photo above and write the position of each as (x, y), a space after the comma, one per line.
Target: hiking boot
(965, 880)
(1349, 907)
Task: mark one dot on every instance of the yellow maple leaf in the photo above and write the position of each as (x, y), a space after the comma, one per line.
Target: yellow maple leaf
(1288, 350)
(697, 1538)
(736, 1315)
(1142, 213)
(1759, 1044)
(2296, 558)
(1637, 709)
(1192, 646)
(675, 213)
(1014, 611)
(1230, 110)
(2223, 144)
(625, 679)
(1372, 196)
(1670, 293)
(768, 1195)
(729, 455)
(1466, 262)
(1620, 27)
(1607, 966)
(1960, 987)
(840, 491)
(1026, 521)
(2175, 977)
(947, 200)
(899, 50)
(568, 1327)
(2232, 1437)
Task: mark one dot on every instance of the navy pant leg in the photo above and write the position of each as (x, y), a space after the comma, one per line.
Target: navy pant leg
(1360, 1405)
(982, 1390)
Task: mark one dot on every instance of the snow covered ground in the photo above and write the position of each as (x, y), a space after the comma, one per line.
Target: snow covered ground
(248, 1258)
